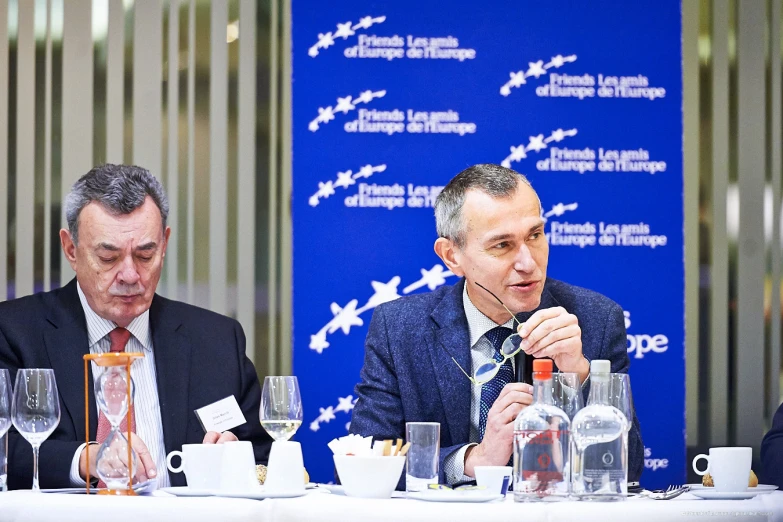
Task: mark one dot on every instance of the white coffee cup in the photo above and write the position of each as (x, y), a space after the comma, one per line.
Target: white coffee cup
(285, 471)
(494, 478)
(238, 468)
(729, 468)
(201, 464)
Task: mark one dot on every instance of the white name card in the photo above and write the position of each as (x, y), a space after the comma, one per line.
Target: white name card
(221, 416)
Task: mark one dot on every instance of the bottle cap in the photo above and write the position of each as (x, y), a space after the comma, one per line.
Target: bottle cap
(542, 365)
(542, 369)
(600, 366)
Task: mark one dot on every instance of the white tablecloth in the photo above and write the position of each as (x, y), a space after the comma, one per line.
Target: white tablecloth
(324, 507)
(334, 508)
(19, 506)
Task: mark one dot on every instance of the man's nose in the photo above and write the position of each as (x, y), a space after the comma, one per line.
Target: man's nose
(128, 274)
(524, 262)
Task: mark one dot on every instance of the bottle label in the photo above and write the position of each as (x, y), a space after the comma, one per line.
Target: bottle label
(542, 456)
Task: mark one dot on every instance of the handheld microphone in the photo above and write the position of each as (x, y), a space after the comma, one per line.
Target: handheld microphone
(524, 367)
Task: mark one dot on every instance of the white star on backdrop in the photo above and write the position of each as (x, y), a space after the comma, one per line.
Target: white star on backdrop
(318, 342)
(536, 69)
(536, 143)
(344, 318)
(325, 189)
(344, 105)
(344, 31)
(384, 292)
(345, 404)
(344, 179)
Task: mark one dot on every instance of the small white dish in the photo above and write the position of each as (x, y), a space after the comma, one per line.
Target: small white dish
(709, 493)
(455, 496)
(184, 491)
(259, 494)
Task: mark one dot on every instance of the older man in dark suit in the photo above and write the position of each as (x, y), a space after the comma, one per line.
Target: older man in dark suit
(492, 235)
(116, 241)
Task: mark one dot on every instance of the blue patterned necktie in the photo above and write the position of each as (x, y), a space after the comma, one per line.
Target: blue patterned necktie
(491, 390)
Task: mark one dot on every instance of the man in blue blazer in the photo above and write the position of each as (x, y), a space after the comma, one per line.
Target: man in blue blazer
(116, 241)
(492, 235)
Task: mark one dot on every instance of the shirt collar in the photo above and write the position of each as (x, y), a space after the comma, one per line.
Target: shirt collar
(478, 323)
(98, 327)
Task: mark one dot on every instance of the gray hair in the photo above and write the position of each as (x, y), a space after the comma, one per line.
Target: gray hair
(494, 180)
(120, 189)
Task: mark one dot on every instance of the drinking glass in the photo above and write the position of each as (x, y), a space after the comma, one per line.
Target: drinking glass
(5, 423)
(423, 455)
(620, 395)
(35, 409)
(4, 462)
(567, 393)
(281, 407)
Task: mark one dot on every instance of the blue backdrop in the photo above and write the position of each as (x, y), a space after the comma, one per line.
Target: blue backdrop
(392, 99)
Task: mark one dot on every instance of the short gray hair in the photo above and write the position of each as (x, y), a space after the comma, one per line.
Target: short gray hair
(120, 189)
(494, 180)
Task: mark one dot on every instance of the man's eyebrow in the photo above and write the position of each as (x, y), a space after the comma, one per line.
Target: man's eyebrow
(540, 224)
(107, 246)
(147, 246)
(498, 237)
(504, 236)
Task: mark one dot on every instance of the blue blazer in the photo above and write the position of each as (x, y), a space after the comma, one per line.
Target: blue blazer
(772, 452)
(199, 359)
(408, 374)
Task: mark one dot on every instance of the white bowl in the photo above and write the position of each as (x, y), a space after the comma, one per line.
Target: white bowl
(369, 477)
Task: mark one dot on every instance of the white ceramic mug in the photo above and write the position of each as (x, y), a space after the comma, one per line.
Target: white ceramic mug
(729, 468)
(494, 478)
(238, 469)
(285, 471)
(201, 464)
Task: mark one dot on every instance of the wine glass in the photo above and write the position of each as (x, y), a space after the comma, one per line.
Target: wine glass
(35, 410)
(620, 396)
(567, 393)
(281, 407)
(5, 423)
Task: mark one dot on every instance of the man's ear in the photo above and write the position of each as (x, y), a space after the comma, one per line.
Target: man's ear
(449, 253)
(166, 237)
(69, 247)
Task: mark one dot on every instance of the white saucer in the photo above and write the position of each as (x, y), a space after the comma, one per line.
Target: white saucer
(335, 489)
(259, 494)
(455, 496)
(184, 491)
(145, 487)
(709, 493)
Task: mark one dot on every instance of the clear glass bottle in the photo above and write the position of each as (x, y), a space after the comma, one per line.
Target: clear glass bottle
(600, 443)
(541, 444)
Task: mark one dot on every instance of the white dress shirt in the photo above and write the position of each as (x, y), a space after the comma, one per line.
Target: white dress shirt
(481, 351)
(149, 427)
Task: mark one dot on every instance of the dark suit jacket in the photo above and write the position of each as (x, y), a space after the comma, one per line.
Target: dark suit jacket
(199, 359)
(408, 374)
(772, 452)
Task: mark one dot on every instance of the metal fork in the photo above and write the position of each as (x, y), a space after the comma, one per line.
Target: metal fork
(668, 494)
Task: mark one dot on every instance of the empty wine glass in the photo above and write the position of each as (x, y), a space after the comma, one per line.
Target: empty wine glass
(5, 423)
(620, 395)
(281, 407)
(35, 410)
(567, 393)
(5, 401)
